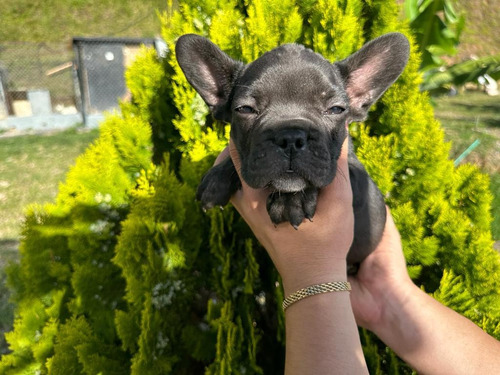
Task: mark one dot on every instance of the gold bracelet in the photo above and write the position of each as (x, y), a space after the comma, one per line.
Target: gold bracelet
(336, 286)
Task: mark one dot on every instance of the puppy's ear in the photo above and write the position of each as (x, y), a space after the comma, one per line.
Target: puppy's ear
(209, 70)
(370, 71)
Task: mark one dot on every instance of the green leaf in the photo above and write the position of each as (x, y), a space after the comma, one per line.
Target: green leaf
(411, 9)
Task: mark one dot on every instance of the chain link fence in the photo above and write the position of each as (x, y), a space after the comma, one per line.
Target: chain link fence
(100, 65)
(57, 83)
(35, 71)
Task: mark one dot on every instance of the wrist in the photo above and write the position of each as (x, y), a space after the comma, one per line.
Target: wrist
(309, 275)
(397, 299)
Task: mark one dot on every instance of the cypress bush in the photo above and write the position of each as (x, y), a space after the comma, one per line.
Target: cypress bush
(124, 273)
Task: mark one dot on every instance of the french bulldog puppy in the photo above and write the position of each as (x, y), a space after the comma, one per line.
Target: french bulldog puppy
(289, 111)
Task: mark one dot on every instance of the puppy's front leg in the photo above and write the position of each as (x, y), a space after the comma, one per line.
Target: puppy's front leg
(218, 185)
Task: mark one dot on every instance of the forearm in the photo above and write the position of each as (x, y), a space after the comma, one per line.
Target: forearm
(434, 339)
(322, 336)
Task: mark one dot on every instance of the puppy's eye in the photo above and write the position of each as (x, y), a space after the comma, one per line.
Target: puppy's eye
(245, 109)
(335, 110)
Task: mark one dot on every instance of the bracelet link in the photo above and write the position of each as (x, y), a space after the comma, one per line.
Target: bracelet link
(335, 286)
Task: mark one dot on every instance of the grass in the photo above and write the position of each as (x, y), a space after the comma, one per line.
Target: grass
(31, 167)
(57, 21)
(470, 117)
(466, 118)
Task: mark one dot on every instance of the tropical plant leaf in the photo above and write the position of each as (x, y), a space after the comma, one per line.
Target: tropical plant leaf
(463, 72)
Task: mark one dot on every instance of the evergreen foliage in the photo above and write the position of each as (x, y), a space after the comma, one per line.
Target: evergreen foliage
(125, 274)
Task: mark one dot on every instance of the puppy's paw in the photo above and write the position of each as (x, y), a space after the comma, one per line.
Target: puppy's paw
(292, 207)
(218, 185)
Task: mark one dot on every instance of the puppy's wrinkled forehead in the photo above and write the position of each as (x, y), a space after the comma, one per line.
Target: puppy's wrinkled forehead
(290, 72)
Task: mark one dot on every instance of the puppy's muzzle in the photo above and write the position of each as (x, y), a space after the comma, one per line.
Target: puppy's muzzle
(288, 157)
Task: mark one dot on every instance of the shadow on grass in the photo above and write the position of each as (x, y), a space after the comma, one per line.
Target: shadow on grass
(491, 123)
(8, 249)
(8, 254)
(486, 113)
(492, 109)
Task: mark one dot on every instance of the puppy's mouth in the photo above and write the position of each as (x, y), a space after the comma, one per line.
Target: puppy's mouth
(289, 160)
(281, 174)
(288, 182)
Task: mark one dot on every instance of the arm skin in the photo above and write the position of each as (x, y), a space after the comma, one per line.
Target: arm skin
(430, 337)
(321, 332)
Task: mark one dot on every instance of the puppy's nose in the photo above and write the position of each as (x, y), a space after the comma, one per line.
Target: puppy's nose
(291, 139)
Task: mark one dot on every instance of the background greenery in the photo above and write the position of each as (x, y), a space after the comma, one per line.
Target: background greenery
(31, 167)
(479, 38)
(468, 118)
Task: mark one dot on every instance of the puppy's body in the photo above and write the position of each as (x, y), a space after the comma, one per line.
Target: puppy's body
(288, 112)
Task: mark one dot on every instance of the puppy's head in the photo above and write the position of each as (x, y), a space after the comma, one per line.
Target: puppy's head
(289, 108)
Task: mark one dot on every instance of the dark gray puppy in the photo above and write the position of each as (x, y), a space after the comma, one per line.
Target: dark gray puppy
(288, 112)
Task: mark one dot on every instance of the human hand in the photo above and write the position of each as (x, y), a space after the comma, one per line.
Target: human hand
(381, 275)
(316, 251)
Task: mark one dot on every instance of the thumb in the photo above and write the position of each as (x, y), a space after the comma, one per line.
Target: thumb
(222, 156)
(235, 156)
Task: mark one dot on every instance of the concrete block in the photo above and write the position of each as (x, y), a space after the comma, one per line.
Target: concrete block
(40, 102)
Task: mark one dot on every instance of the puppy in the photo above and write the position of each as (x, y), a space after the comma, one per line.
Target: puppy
(288, 112)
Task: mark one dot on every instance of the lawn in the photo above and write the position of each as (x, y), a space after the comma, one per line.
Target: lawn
(31, 167)
(471, 117)
(466, 118)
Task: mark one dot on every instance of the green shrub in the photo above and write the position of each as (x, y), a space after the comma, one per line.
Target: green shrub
(126, 274)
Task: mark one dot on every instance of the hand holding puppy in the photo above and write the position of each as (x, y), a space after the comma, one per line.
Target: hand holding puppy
(316, 252)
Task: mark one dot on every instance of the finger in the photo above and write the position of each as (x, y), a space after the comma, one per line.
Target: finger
(246, 198)
(342, 164)
(222, 156)
(235, 156)
(340, 188)
(391, 232)
(389, 220)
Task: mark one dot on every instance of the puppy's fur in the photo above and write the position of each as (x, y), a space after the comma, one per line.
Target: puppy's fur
(288, 112)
